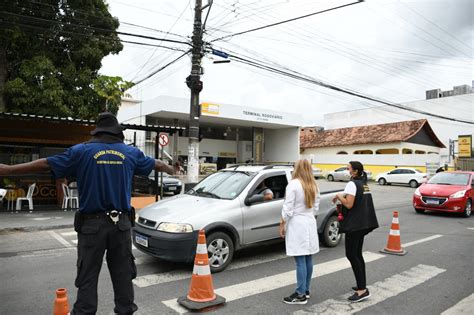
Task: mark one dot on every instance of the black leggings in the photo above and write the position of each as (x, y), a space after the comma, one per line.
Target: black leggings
(354, 243)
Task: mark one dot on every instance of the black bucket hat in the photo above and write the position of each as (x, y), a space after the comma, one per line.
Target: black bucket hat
(107, 122)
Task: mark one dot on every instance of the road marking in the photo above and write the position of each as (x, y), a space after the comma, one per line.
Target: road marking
(433, 237)
(380, 291)
(59, 238)
(465, 306)
(74, 242)
(472, 228)
(258, 286)
(40, 219)
(69, 233)
(154, 279)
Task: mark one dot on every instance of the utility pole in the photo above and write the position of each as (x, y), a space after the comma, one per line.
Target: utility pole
(194, 83)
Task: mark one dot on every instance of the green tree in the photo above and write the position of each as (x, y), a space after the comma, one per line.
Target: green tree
(111, 90)
(50, 55)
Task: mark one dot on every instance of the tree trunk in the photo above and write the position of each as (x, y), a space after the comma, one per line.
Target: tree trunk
(3, 76)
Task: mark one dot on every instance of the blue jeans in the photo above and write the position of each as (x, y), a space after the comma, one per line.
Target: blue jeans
(304, 271)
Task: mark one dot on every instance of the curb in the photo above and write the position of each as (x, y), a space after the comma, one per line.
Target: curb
(35, 228)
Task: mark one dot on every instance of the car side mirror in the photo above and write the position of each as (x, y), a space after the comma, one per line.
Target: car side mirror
(253, 200)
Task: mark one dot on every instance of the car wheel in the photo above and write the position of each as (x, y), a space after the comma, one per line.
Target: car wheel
(467, 209)
(331, 235)
(220, 249)
(413, 183)
(330, 178)
(421, 211)
(382, 181)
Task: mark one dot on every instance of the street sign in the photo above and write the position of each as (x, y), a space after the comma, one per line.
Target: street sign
(164, 140)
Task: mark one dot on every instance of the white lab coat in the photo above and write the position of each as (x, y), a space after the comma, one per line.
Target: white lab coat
(301, 236)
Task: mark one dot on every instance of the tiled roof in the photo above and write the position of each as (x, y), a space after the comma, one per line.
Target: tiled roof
(383, 133)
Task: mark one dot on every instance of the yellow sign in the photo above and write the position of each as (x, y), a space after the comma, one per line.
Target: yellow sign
(465, 146)
(210, 109)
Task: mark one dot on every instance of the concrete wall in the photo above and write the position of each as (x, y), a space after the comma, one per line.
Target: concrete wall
(282, 145)
(350, 149)
(374, 163)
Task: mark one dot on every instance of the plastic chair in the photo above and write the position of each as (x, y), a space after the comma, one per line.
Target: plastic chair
(29, 198)
(3, 193)
(68, 199)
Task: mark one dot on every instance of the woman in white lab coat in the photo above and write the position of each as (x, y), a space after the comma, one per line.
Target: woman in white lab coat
(299, 228)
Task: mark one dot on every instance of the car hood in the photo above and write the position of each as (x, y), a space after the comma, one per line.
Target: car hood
(440, 190)
(167, 180)
(182, 208)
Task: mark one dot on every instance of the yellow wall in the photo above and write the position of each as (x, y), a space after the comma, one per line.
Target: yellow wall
(375, 169)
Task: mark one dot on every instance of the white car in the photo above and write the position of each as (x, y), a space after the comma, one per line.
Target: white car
(317, 173)
(409, 176)
(342, 174)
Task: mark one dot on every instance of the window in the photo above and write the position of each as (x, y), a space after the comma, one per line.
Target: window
(395, 172)
(342, 152)
(363, 152)
(445, 178)
(407, 151)
(407, 171)
(387, 151)
(222, 185)
(341, 169)
(277, 184)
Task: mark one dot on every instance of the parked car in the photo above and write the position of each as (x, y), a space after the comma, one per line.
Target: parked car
(147, 184)
(342, 174)
(447, 192)
(224, 205)
(408, 176)
(317, 172)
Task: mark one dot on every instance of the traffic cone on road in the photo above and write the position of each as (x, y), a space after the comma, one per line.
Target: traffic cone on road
(201, 291)
(61, 306)
(394, 245)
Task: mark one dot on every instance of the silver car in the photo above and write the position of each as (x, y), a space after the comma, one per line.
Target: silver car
(342, 174)
(229, 208)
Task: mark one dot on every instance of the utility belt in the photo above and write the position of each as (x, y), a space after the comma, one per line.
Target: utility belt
(113, 216)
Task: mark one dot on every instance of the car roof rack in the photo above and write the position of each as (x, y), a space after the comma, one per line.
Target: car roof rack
(266, 166)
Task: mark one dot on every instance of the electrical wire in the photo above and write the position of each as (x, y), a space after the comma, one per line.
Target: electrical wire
(285, 21)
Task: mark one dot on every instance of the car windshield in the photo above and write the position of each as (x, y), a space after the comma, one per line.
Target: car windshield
(222, 185)
(449, 179)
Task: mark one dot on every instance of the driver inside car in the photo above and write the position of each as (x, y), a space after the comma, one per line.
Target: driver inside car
(264, 192)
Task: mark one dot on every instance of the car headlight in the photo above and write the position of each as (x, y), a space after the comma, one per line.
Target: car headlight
(458, 194)
(417, 192)
(175, 227)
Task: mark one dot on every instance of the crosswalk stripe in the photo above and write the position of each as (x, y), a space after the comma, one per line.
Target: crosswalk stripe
(69, 233)
(426, 239)
(465, 306)
(379, 291)
(59, 238)
(470, 228)
(258, 286)
(74, 242)
(154, 279)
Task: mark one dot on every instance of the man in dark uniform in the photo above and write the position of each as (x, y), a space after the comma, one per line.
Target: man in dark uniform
(104, 168)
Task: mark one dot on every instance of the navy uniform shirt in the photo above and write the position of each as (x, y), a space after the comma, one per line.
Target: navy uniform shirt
(104, 173)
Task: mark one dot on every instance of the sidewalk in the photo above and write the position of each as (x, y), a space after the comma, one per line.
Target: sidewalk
(23, 221)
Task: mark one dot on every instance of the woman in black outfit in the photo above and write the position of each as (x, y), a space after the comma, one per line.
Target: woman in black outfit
(359, 220)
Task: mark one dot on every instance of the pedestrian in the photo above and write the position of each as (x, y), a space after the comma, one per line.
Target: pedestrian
(299, 228)
(359, 219)
(103, 167)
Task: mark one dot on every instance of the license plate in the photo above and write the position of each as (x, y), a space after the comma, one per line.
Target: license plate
(432, 201)
(172, 188)
(142, 240)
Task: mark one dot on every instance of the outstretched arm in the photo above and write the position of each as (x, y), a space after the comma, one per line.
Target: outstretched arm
(161, 166)
(37, 166)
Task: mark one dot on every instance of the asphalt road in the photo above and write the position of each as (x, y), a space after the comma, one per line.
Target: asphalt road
(433, 277)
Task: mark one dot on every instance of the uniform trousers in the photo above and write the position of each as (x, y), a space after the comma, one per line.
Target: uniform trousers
(95, 237)
(354, 242)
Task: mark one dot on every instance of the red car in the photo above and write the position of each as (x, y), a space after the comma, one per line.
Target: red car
(446, 192)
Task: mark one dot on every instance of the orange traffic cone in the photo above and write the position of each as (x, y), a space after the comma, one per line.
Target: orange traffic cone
(394, 245)
(61, 306)
(201, 291)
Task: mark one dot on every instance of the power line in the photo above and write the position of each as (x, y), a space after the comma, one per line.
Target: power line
(298, 76)
(286, 21)
(98, 29)
(162, 68)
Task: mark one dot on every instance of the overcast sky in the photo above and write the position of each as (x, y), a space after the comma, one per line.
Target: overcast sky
(390, 49)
